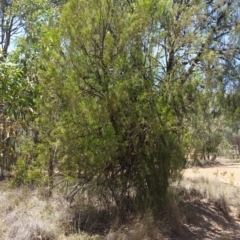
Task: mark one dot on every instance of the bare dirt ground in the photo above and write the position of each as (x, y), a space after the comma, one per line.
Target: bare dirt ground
(225, 172)
(213, 209)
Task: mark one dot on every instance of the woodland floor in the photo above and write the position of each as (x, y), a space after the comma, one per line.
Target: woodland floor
(216, 213)
(205, 205)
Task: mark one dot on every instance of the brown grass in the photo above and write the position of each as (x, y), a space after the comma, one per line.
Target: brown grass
(212, 191)
(26, 215)
(143, 227)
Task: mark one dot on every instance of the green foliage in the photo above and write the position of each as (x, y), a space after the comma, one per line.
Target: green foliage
(110, 121)
(16, 92)
(19, 89)
(126, 87)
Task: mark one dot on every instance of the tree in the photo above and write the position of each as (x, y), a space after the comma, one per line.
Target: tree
(23, 22)
(120, 84)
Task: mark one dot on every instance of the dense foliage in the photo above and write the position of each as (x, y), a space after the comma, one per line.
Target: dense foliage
(123, 91)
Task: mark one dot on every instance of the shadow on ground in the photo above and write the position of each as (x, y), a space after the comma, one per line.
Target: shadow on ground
(204, 220)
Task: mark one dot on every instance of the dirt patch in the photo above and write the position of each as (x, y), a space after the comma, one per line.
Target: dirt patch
(224, 172)
(206, 221)
(212, 205)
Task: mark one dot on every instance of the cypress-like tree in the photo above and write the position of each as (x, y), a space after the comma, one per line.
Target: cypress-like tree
(119, 81)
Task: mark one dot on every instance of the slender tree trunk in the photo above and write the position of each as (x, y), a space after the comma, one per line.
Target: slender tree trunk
(50, 175)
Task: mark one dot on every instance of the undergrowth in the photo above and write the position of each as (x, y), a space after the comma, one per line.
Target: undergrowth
(28, 215)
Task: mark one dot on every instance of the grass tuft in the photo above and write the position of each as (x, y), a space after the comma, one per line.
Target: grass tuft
(26, 215)
(143, 227)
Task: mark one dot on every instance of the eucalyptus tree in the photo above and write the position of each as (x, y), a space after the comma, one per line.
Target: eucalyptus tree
(22, 26)
(215, 60)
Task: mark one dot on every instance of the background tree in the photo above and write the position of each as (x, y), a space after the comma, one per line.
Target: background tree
(24, 23)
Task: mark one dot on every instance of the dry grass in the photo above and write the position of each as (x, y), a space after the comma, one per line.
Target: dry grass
(144, 228)
(81, 236)
(225, 197)
(212, 190)
(26, 215)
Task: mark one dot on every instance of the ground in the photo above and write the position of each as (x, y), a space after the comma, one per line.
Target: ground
(212, 207)
(224, 171)
(203, 204)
